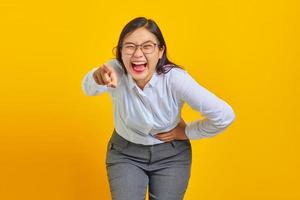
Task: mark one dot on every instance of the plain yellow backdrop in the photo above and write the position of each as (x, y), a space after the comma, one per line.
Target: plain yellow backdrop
(53, 138)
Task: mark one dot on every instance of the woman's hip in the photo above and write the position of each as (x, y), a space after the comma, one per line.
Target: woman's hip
(177, 152)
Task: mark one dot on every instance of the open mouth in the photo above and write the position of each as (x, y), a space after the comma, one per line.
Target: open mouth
(139, 66)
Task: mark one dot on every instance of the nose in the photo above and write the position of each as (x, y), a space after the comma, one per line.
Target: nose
(138, 52)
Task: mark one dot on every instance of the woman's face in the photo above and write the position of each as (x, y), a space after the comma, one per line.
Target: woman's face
(141, 65)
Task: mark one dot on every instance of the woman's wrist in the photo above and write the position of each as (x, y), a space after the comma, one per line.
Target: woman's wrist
(180, 132)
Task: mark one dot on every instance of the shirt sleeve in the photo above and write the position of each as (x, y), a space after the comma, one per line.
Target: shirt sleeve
(89, 85)
(218, 114)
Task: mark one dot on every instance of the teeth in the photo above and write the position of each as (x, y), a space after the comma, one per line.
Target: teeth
(139, 63)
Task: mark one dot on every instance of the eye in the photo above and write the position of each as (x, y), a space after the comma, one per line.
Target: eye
(129, 46)
(148, 46)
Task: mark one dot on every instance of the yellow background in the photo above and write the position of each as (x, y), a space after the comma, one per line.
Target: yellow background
(53, 137)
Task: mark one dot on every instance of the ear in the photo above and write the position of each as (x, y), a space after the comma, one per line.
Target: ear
(161, 52)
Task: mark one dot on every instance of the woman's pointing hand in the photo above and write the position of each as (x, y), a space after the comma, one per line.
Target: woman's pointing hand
(106, 75)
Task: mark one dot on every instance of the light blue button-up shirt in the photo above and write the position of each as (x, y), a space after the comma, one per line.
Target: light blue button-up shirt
(140, 114)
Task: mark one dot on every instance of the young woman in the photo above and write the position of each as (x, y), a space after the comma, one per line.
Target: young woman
(150, 145)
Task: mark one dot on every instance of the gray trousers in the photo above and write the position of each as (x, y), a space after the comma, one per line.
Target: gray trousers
(131, 168)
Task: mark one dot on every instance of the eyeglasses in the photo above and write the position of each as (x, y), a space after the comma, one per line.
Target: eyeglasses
(147, 48)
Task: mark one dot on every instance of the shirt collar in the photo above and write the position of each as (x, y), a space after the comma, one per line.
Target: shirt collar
(152, 81)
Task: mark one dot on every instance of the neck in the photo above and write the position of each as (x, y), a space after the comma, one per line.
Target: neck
(141, 84)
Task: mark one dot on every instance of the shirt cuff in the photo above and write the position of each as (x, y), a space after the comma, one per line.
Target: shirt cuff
(90, 85)
(193, 130)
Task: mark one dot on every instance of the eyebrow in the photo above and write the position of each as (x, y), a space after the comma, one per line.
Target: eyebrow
(142, 42)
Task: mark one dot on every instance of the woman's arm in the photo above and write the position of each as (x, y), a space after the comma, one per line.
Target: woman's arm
(218, 114)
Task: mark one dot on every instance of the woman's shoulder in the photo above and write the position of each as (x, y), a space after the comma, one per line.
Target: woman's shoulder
(176, 75)
(177, 70)
(180, 79)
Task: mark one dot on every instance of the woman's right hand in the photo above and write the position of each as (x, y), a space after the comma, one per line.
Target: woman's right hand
(106, 75)
(177, 133)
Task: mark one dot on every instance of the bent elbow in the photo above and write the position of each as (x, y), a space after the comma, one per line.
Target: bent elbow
(230, 118)
(227, 119)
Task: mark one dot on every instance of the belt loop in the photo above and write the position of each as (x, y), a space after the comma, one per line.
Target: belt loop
(110, 145)
(127, 143)
(173, 143)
